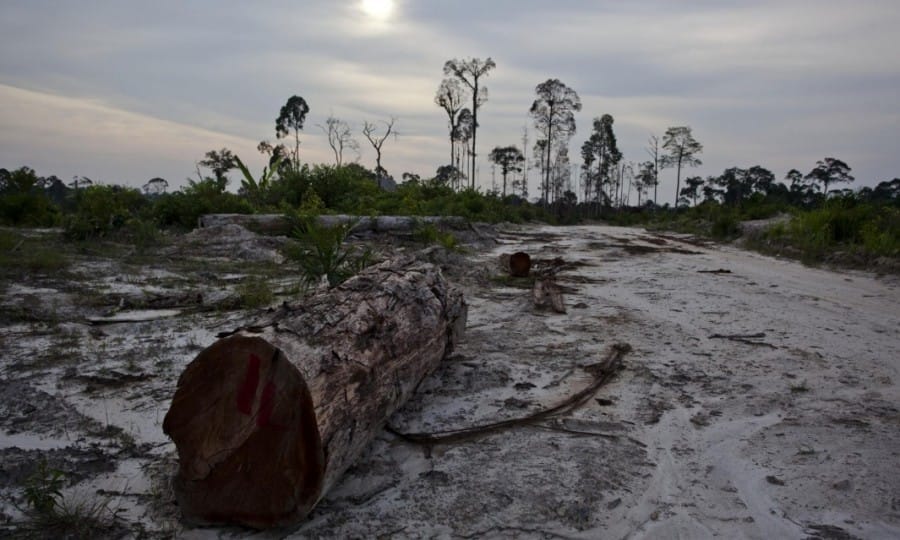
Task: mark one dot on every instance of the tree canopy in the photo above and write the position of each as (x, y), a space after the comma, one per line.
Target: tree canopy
(830, 171)
(554, 117)
(509, 159)
(291, 118)
(681, 148)
(469, 71)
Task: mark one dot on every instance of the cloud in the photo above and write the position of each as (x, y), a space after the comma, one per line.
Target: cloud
(780, 83)
(66, 137)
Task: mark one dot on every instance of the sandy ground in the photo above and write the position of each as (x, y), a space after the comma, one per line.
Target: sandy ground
(760, 400)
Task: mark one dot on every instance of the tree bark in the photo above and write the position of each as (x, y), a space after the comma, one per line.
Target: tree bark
(267, 419)
(546, 293)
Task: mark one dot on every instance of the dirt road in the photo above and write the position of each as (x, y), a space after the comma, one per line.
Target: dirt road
(761, 400)
(786, 427)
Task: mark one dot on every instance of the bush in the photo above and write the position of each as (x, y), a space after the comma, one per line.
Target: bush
(102, 210)
(320, 251)
(866, 230)
(24, 203)
(255, 292)
(20, 254)
(183, 208)
(429, 233)
(51, 515)
(724, 224)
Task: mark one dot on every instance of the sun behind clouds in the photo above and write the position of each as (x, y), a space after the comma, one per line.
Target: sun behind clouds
(380, 10)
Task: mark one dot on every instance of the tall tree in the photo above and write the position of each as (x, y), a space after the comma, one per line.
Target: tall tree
(219, 162)
(538, 156)
(278, 154)
(691, 188)
(377, 140)
(155, 186)
(802, 190)
(291, 118)
(561, 172)
(339, 137)
(465, 126)
(509, 159)
(653, 151)
(830, 171)
(524, 186)
(682, 149)
(554, 117)
(601, 148)
(449, 96)
(646, 175)
(469, 71)
(760, 179)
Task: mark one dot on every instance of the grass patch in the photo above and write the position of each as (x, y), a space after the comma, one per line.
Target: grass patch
(848, 234)
(32, 255)
(429, 233)
(52, 515)
(255, 292)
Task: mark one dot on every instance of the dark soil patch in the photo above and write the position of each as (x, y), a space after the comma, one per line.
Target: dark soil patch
(76, 464)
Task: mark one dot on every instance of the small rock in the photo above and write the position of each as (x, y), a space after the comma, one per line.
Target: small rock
(438, 477)
(774, 480)
(523, 386)
(603, 402)
(613, 504)
(843, 485)
(515, 403)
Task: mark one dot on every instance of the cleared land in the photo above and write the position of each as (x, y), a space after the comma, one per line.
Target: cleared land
(760, 398)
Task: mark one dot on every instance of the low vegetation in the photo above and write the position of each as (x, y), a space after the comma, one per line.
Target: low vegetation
(321, 251)
(53, 515)
(837, 226)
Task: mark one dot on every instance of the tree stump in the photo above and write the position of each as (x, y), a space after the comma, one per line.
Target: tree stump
(519, 264)
(266, 419)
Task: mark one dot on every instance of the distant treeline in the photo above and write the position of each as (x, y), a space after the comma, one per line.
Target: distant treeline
(865, 222)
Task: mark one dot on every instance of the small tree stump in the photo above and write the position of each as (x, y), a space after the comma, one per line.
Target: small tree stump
(519, 264)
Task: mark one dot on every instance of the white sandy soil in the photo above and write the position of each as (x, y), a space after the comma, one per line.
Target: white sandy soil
(761, 400)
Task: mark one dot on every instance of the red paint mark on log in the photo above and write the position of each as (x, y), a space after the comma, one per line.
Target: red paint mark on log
(266, 404)
(247, 391)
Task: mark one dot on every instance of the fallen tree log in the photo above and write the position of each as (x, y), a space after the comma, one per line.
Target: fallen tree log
(266, 419)
(278, 224)
(547, 293)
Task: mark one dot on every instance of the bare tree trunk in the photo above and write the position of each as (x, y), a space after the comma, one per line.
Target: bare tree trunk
(267, 419)
(678, 179)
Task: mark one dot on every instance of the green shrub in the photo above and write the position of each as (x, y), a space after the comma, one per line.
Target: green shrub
(320, 251)
(20, 254)
(183, 208)
(51, 515)
(143, 233)
(102, 210)
(429, 233)
(24, 203)
(43, 489)
(725, 225)
(868, 230)
(255, 292)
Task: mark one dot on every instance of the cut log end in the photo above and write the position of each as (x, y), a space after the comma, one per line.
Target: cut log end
(267, 419)
(249, 448)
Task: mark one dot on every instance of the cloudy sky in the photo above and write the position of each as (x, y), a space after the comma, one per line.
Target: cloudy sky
(123, 91)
